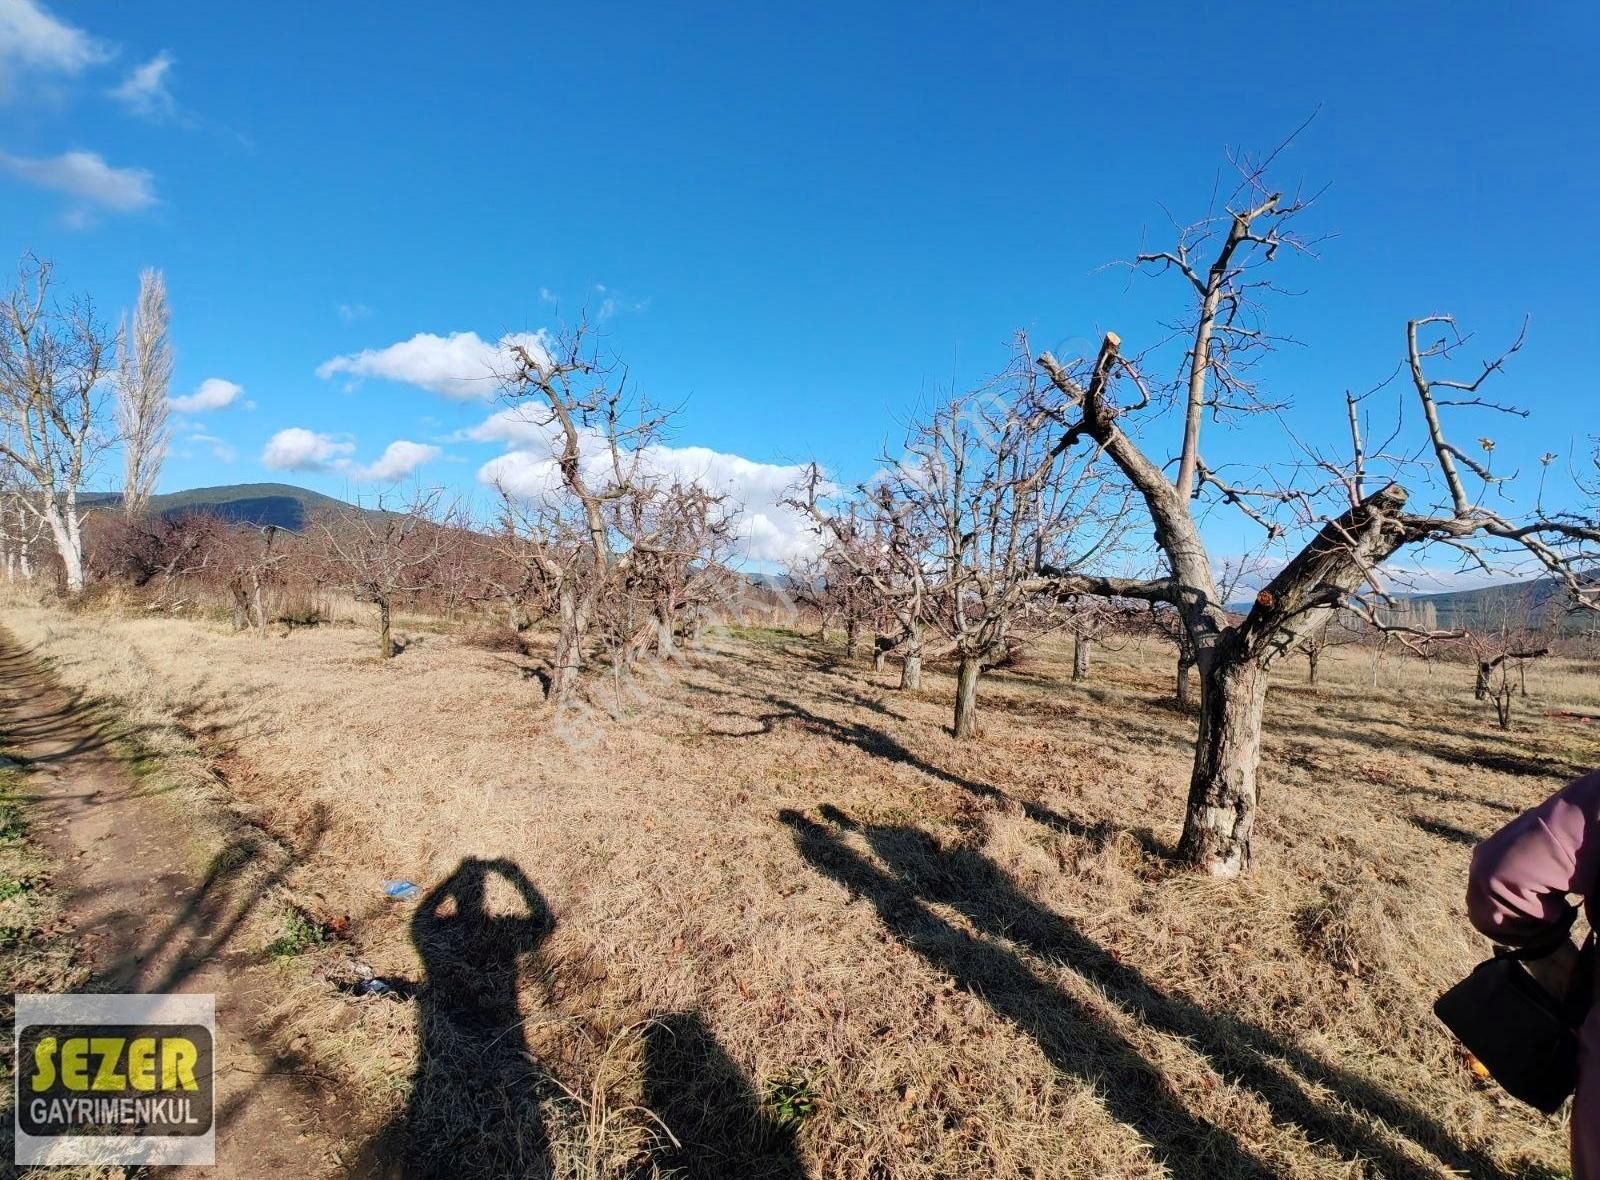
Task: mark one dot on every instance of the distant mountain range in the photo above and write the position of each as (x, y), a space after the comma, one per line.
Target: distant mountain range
(290, 507)
(280, 504)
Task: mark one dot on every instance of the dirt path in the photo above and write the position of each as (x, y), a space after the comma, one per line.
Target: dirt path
(147, 921)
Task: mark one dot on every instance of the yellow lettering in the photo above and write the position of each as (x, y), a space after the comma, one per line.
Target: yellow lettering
(142, 1063)
(110, 1051)
(75, 1063)
(44, 1064)
(178, 1058)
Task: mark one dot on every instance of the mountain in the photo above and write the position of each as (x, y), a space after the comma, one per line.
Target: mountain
(1537, 603)
(248, 503)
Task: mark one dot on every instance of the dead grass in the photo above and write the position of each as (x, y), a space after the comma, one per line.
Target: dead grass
(877, 952)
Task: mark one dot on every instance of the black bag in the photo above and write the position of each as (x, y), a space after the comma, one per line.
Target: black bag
(1525, 1037)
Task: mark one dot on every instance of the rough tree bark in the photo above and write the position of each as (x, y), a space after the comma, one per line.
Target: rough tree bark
(966, 718)
(911, 663)
(1080, 656)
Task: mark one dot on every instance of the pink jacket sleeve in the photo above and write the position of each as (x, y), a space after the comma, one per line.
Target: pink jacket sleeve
(1522, 874)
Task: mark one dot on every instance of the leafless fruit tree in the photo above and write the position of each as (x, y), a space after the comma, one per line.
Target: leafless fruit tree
(1348, 542)
(623, 546)
(1005, 509)
(51, 361)
(256, 555)
(383, 557)
(143, 380)
(873, 546)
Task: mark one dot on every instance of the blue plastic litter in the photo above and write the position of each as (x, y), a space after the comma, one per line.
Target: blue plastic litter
(399, 890)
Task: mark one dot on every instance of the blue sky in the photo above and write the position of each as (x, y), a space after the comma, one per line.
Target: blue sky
(797, 225)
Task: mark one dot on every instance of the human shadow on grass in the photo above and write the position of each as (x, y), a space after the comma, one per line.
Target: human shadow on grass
(715, 1125)
(916, 874)
(477, 1094)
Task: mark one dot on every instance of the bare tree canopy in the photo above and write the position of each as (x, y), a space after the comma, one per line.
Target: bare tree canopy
(143, 381)
(1353, 521)
(51, 362)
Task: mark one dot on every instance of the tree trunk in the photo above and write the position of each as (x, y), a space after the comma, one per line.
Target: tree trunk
(569, 648)
(241, 607)
(385, 638)
(911, 665)
(1185, 679)
(852, 635)
(966, 722)
(64, 531)
(1080, 656)
(1222, 790)
(1480, 687)
(259, 603)
(666, 645)
(1313, 656)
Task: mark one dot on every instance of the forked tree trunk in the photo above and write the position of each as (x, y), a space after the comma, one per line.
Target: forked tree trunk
(64, 531)
(385, 637)
(1480, 688)
(1080, 656)
(1222, 789)
(241, 607)
(852, 635)
(966, 721)
(1313, 656)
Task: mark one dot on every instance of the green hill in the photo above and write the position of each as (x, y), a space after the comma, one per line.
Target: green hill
(248, 503)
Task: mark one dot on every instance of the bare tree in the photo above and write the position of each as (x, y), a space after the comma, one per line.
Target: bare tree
(382, 557)
(599, 433)
(51, 362)
(255, 558)
(1342, 631)
(875, 545)
(999, 501)
(143, 381)
(22, 526)
(1348, 542)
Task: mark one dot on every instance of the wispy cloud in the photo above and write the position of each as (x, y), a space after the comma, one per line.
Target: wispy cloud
(34, 40)
(145, 91)
(461, 365)
(212, 394)
(299, 449)
(351, 312)
(220, 448)
(87, 177)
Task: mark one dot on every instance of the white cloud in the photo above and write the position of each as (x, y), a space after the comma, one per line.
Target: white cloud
(213, 394)
(299, 449)
(768, 531)
(88, 177)
(144, 91)
(399, 459)
(461, 365)
(219, 447)
(32, 39)
(351, 312)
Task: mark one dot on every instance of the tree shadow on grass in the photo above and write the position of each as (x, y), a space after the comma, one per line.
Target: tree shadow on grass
(916, 873)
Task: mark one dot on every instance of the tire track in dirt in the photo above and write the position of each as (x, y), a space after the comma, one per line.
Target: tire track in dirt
(145, 921)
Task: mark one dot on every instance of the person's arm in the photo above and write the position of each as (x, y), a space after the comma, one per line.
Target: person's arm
(1521, 876)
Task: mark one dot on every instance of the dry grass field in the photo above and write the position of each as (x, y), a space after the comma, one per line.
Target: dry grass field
(777, 922)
